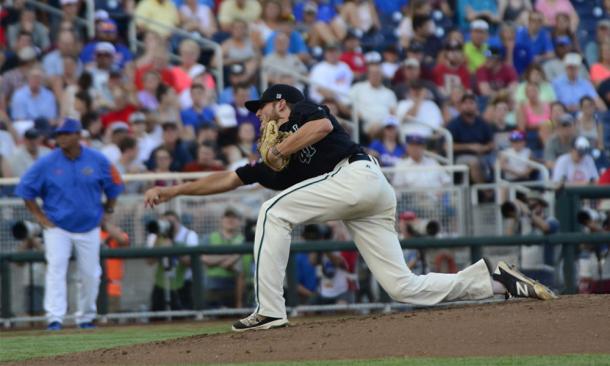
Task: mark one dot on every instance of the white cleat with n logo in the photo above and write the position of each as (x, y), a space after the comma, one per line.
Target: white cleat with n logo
(519, 285)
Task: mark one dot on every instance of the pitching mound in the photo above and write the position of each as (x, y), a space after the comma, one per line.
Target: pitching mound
(571, 324)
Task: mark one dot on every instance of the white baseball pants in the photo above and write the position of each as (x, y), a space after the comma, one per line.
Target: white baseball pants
(360, 195)
(58, 247)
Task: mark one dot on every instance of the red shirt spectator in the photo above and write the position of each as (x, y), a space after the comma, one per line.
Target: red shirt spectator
(447, 76)
(495, 75)
(167, 77)
(122, 115)
(604, 179)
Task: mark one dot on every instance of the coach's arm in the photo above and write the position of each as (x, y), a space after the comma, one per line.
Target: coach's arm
(211, 184)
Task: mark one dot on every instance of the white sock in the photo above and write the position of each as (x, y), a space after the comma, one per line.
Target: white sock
(498, 288)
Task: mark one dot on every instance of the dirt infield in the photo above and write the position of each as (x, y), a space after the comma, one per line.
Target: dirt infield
(571, 324)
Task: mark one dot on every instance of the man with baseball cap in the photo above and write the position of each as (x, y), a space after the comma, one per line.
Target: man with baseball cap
(475, 49)
(561, 141)
(577, 166)
(326, 177)
(106, 30)
(495, 75)
(70, 181)
(571, 87)
(512, 159)
(334, 74)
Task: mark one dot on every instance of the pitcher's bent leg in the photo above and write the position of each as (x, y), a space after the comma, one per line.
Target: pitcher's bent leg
(378, 243)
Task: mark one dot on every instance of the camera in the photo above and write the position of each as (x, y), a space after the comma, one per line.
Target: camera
(160, 227)
(421, 227)
(26, 230)
(588, 216)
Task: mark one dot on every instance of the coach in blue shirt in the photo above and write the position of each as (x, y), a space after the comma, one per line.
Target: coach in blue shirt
(70, 181)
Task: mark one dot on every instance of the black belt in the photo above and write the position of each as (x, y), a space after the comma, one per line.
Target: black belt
(358, 157)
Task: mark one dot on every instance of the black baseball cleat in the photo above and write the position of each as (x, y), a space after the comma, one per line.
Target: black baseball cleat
(519, 285)
(256, 321)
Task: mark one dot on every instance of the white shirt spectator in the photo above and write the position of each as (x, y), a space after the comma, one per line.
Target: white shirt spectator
(148, 142)
(428, 113)
(516, 164)
(373, 104)
(429, 178)
(337, 77)
(7, 145)
(112, 152)
(21, 160)
(567, 170)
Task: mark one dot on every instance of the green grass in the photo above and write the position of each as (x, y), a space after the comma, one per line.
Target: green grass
(21, 345)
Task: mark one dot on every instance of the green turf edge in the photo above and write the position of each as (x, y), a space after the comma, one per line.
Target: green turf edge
(23, 345)
(554, 360)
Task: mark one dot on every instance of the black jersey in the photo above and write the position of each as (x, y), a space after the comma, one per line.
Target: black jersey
(311, 161)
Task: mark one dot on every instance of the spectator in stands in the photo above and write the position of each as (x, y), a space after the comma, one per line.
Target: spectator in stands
(512, 163)
(429, 178)
(67, 46)
(389, 148)
(147, 133)
(371, 99)
(555, 67)
(602, 35)
(33, 100)
(199, 114)
(576, 167)
(391, 61)
(535, 75)
(451, 106)
(315, 24)
(405, 28)
(514, 11)
(280, 63)
(128, 163)
(177, 149)
(561, 141)
(550, 9)
(9, 57)
(68, 19)
(162, 162)
(116, 132)
(359, 15)
(469, 11)
(169, 107)
(423, 26)
(232, 10)
(28, 23)
(93, 129)
(206, 160)
(534, 39)
(494, 75)
(27, 153)
(410, 73)
(306, 270)
(189, 69)
(225, 275)
(153, 42)
(417, 113)
(237, 75)
(531, 114)
(163, 12)
(107, 31)
(239, 49)
(100, 73)
(198, 17)
(121, 109)
(268, 23)
(159, 63)
(563, 29)
(241, 94)
(600, 71)
(472, 140)
(296, 44)
(588, 125)
(147, 96)
(476, 48)
(244, 148)
(570, 87)
(451, 70)
(17, 77)
(171, 274)
(501, 123)
(353, 56)
(331, 78)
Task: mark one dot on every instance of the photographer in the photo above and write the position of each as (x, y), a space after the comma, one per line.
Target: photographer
(527, 218)
(34, 273)
(173, 278)
(593, 263)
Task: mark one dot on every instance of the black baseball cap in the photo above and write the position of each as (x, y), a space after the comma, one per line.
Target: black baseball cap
(274, 93)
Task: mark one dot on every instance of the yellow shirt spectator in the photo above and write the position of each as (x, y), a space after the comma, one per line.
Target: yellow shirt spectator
(231, 10)
(161, 11)
(475, 57)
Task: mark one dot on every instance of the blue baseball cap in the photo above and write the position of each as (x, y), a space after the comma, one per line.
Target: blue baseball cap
(69, 125)
(516, 136)
(563, 41)
(416, 139)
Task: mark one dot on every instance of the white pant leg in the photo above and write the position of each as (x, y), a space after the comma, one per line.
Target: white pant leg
(89, 272)
(376, 238)
(58, 247)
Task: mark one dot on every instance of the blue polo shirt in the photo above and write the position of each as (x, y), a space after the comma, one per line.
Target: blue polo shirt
(463, 132)
(569, 92)
(296, 44)
(192, 117)
(71, 190)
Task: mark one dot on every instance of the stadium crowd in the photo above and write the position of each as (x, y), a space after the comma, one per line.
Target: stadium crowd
(531, 78)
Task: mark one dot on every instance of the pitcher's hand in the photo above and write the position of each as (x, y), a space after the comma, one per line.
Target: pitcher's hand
(157, 195)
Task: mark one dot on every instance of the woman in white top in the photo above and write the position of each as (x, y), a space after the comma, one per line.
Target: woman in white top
(196, 17)
(588, 126)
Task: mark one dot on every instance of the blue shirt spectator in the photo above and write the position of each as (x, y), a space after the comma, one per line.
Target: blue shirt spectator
(306, 272)
(389, 7)
(569, 92)
(227, 95)
(387, 157)
(122, 56)
(297, 44)
(538, 45)
(325, 11)
(71, 190)
(477, 6)
(33, 100)
(197, 118)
